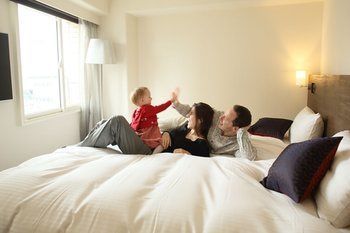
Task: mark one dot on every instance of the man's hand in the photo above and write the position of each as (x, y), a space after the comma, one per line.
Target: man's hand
(181, 151)
(235, 130)
(241, 131)
(166, 140)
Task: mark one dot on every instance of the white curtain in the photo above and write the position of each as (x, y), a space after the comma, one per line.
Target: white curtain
(91, 103)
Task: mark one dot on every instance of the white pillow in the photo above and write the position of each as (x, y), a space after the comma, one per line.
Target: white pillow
(170, 123)
(333, 195)
(306, 125)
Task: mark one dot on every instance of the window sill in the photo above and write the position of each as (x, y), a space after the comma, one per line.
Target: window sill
(40, 118)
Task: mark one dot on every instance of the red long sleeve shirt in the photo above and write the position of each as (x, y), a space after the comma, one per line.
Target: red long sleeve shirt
(146, 115)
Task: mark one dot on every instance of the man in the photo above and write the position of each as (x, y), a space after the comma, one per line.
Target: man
(227, 135)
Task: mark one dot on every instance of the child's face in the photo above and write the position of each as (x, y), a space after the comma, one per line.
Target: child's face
(146, 98)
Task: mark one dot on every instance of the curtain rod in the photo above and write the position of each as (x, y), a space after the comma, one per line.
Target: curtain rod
(48, 9)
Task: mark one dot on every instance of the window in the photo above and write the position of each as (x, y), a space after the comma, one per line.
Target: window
(49, 53)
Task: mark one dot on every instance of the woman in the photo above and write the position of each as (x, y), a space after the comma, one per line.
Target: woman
(191, 137)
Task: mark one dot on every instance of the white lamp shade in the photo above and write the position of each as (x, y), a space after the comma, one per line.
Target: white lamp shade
(100, 52)
(301, 79)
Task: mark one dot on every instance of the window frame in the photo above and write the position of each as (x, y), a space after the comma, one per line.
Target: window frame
(44, 115)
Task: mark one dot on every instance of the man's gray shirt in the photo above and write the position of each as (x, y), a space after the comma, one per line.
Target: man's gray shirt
(240, 145)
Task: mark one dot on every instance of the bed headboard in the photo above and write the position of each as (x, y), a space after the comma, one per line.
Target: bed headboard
(331, 98)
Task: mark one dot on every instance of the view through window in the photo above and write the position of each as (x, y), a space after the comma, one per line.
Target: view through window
(49, 48)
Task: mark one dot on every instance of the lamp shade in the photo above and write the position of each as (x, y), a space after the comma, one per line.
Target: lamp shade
(100, 52)
(301, 80)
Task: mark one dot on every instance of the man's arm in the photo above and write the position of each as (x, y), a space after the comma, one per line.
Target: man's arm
(183, 109)
(246, 149)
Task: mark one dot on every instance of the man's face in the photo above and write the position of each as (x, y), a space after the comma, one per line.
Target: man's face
(226, 120)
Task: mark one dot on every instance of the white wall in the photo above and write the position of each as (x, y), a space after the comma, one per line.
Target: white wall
(19, 143)
(336, 37)
(245, 55)
(90, 10)
(94, 6)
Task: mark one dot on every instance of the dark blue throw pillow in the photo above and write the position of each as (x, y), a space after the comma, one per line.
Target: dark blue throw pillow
(301, 166)
(271, 127)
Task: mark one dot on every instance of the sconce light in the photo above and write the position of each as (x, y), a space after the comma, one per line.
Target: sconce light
(300, 78)
(312, 87)
(301, 81)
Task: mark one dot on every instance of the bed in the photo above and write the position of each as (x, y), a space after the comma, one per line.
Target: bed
(81, 189)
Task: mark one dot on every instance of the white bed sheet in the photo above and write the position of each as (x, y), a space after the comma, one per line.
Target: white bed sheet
(80, 189)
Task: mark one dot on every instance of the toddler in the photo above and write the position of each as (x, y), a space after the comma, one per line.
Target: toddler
(144, 119)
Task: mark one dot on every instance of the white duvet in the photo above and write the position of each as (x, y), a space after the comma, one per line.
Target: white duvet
(80, 189)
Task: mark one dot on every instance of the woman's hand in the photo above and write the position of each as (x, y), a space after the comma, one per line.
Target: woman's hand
(181, 151)
(166, 140)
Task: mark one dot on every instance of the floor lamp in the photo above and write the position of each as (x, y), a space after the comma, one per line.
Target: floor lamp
(100, 52)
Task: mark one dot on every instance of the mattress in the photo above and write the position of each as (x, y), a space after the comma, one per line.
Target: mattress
(81, 189)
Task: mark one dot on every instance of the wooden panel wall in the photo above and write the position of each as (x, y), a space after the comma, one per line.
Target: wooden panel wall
(332, 100)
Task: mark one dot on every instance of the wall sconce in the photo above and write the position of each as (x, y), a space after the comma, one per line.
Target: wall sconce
(301, 81)
(300, 78)
(312, 87)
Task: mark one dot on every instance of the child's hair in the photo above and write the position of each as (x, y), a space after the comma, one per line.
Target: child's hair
(137, 94)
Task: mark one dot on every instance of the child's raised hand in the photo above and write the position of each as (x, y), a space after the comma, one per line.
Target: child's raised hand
(175, 95)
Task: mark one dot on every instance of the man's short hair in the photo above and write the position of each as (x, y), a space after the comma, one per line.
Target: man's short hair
(244, 117)
(137, 94)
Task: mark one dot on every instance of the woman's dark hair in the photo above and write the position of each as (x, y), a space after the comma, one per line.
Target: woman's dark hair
(244, 117)
(204, 114)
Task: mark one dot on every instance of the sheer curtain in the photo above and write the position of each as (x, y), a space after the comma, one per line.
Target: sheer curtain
(90, 104)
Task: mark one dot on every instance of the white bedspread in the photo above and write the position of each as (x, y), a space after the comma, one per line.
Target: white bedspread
(77, 189)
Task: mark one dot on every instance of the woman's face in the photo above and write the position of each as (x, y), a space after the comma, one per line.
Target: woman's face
(192, 120)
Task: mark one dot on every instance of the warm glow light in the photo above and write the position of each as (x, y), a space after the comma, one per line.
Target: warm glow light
(301, 79)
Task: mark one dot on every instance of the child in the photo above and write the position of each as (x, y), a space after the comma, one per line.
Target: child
(144, 119)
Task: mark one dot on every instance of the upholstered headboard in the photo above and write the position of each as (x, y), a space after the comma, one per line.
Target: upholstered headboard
(331, 98)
